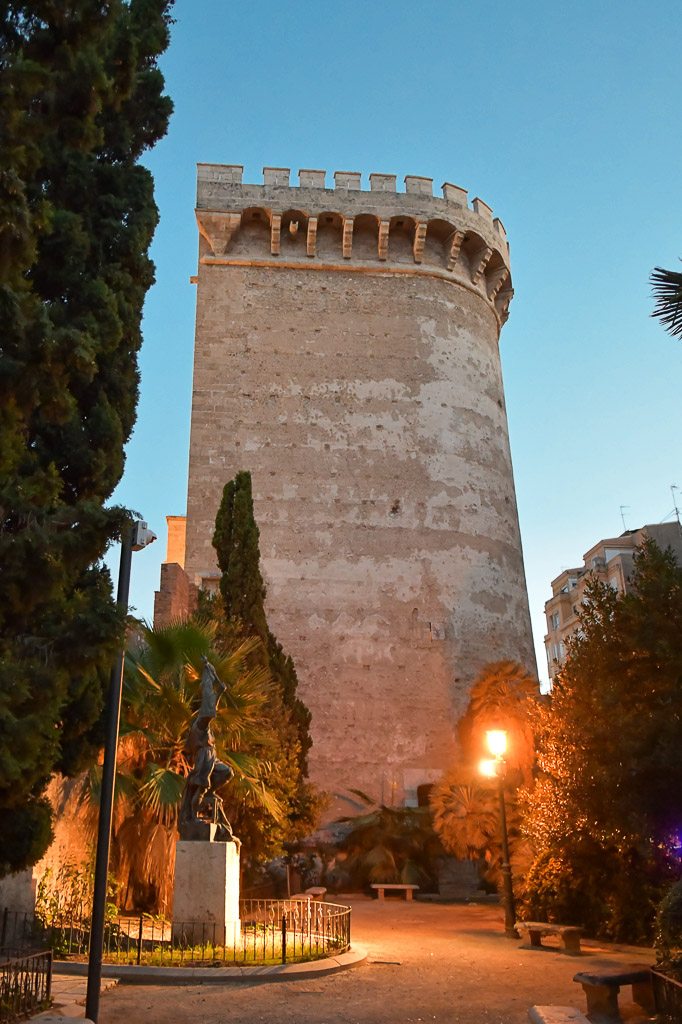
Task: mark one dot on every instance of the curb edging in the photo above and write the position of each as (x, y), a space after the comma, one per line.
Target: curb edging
(132, 974)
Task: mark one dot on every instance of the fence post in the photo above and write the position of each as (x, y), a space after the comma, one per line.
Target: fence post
(139, 940)
(284, 938)
(48, 987)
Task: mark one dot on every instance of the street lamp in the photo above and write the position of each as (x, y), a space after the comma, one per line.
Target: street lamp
(136, 537)
(495, 768)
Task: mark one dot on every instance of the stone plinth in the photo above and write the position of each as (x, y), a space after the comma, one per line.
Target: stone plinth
(207, 888)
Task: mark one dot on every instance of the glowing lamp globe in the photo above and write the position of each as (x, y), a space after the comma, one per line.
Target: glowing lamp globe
(497, 741)
(488, 768)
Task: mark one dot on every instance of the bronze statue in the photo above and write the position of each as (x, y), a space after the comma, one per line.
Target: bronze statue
(201, 806)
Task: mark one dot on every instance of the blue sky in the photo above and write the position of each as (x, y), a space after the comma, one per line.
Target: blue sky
(565, 118)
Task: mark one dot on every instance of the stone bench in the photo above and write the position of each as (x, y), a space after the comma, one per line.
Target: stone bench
(601, 988)
(381, 887)
(316, 891)
(531, 933)
(556, 1015)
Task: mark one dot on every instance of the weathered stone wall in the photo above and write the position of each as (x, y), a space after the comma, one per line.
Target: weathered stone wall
(347, 355)
(72, 842)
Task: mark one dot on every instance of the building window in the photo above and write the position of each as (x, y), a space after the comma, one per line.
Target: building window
(554, 621)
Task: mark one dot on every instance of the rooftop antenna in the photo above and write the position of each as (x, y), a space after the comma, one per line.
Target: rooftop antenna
(622, 514)
(673, 488)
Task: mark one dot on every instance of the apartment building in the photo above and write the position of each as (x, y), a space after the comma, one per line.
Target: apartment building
(610, 560)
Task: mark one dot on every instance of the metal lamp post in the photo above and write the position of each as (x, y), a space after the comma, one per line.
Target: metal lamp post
(497, 744)
(136, 537)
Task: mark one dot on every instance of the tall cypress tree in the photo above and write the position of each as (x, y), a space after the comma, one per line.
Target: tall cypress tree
(81, 99)
(243, 592)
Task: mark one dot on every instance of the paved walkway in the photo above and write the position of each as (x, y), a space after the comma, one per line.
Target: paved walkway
(427, 962)
(68, 994)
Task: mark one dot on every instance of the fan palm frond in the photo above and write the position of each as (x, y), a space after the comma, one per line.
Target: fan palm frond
(667, 289)
(161, 792)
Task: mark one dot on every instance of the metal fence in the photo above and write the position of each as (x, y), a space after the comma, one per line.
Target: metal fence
(268, 932)
(25, 983)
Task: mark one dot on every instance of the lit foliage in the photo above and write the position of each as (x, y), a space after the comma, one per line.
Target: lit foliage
(465, 805)
(80, 101)
(609, 795)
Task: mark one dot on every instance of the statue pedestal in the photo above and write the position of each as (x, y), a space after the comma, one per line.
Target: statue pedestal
(206, 897)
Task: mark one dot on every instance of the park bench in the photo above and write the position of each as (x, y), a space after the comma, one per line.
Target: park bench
(556, 1015)
(601, 987)
(382, 886)
(315, 892)
(531, 933)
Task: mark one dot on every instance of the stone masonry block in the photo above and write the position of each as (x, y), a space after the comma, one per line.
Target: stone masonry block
(455, 194)
(276, 176)
(311, 179)
(382, 182)
(416, 185)
(348, 179)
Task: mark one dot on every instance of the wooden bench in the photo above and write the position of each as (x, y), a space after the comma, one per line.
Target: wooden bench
(531, 933)
(601, 987)
(382, 886)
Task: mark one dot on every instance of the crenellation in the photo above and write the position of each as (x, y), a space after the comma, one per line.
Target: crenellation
(312, 179)
(482, 209)
(276, 176)
(382, 182)
(416, 185)
(229, 173)
(348, 179)
(455, 194)
(394, 231)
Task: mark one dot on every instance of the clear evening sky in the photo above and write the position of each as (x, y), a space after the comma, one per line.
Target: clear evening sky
(564, 117)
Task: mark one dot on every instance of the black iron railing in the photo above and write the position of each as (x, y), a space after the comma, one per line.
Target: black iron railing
(25, 983)
(268, 932)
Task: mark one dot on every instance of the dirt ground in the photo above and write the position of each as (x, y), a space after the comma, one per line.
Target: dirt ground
(426, 962)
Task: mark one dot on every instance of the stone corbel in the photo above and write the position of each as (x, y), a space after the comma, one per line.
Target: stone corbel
(419, 240)
(347, 237)
(217, 229)
(311, 239)
(480, 262)
(275, 232)
(455, 246)
(383, 239)
(502, 301)
(495, 281)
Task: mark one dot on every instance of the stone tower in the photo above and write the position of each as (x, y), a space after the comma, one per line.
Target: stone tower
(347, 355)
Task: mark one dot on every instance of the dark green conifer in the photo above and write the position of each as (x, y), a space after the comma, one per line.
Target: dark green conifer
(243, 595)
(81, 99)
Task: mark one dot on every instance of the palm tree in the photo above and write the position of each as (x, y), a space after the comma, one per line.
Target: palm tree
(161, 685)
(667, 285)
(500, 698)
(389, 844)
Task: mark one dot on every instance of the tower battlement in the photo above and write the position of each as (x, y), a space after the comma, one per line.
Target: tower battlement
(382, 230)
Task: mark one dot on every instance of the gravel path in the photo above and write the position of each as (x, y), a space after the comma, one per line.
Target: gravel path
(426, 962)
